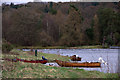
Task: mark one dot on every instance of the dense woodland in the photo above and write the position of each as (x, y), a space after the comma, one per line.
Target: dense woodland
(61, 24)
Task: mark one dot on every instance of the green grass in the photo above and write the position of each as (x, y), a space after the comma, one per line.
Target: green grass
(31, 70)
(26, 55)
(60, 47)
(40, 47)
(88, 47)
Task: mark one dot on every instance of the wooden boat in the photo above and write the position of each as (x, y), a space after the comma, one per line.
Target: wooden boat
(36, 61)
(32, 61)
(84, 64)
(28, 61)
(44, 61)
(74, 58)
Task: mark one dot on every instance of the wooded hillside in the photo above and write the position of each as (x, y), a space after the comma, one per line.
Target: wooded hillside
(61, 24)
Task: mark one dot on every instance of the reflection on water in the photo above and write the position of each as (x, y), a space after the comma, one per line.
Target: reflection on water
(90, 55)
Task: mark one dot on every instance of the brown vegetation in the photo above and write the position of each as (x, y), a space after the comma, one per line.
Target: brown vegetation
(66, 24)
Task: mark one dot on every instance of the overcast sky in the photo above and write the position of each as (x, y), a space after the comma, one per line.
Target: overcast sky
(17, 1)
(25, 1)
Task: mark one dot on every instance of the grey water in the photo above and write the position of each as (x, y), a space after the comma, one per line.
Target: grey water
(90, 55)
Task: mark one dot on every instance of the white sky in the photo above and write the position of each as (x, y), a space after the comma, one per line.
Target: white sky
(16, 1)
(25, 1)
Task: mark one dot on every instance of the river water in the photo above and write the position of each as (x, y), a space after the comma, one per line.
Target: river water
(91, 55)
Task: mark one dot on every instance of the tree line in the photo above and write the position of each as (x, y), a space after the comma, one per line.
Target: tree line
(61, 24)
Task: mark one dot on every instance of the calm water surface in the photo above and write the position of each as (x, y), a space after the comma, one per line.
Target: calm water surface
(90, 55)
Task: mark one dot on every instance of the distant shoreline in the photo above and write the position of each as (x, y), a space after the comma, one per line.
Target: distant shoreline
(62, 47)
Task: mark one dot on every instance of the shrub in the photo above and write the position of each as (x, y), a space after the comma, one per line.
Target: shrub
(53, 11)
(6, 47)
(74, 7)
(89, 33)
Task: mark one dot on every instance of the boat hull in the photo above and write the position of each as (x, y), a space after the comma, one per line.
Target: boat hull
(38, 61)
(74, 58)
(33, 61)
(85, 64)
(27, 61)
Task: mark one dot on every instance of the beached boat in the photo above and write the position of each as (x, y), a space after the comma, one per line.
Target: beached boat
(84, 64)
(27, 61)
(36, 61)
(44, 61)
(74, 58)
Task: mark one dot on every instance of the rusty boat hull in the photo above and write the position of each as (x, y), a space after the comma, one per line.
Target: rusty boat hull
(74, 58)
(33, 61)
(84, 64)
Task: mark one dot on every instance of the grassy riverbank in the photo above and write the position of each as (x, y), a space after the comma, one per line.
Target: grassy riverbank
(60, 47)
(31, 70)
